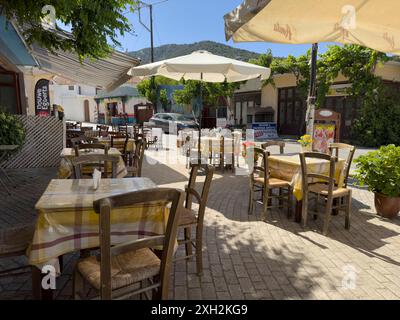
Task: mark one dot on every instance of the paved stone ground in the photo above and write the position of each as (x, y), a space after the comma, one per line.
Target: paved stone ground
(246, 258)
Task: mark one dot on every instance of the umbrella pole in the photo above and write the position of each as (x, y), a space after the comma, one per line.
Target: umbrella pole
(312, 91)
(200, 118)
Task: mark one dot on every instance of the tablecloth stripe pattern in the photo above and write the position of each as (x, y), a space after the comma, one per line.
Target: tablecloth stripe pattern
(61, 231)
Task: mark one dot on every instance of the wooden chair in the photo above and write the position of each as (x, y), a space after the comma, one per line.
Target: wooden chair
(260, 180)
(136, 169)
(325, 189)
(130, 268)
(269, 143)
(102, 130)
(123, 129)
(90, 146)
(83, 166)
(120, 142)
(14, 242)
(192, 218)
(342, 146)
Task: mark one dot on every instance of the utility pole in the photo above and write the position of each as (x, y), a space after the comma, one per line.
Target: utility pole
(150, 30)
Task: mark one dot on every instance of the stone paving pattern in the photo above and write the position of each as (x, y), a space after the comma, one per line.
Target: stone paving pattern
(244, 257)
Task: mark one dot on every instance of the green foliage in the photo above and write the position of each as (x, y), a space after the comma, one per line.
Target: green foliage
(380, 170)
(92, 23)
(176, 50)
(148, 88)
(11, 130)
(378, 118)
(355, 62)
(211, 92)
(164, 98)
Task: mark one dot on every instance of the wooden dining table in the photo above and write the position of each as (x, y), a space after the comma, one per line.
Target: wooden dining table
(67, 221)
(287, 167)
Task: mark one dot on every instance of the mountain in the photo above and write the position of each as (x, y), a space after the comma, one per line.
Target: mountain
(175, 50)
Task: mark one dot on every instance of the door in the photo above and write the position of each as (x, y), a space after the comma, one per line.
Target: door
(87, 110)
(291, 112)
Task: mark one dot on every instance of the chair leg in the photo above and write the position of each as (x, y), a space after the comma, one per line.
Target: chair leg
(266, 200)
(77, 285)
(188, 244)
(327, 218)
(251, 200)
(304, 209)
(348, 211)
(199, 250)
(289, 201)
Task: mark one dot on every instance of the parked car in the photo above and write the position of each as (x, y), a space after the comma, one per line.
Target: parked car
(182, 121)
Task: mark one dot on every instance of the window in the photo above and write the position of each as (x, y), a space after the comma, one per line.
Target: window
(249, 118)
(9, 92)
(71, 88)
(79, 90)
(221, 112)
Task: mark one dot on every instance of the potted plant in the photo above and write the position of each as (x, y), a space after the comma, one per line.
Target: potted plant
(305, 142)
(11, 130)
(380, 171)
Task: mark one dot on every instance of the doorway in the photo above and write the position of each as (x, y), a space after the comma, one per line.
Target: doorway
(87, 110)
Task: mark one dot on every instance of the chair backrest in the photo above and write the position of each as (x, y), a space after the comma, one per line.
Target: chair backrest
(105, 208)
(190, 190)
(140, 146)
(342, 146)
(306, 176)
(119, 142)
(257, 160)
(280, 144)
(123, 128)
(90, 146)
(83, 166)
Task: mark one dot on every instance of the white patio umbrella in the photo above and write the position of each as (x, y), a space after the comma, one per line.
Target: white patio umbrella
(202, 66)
(371, 23)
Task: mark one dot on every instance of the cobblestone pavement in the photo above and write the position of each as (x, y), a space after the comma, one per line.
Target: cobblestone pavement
(246, 258)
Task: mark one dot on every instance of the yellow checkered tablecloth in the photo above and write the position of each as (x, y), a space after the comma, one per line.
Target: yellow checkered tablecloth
(287, 167)
(65, 169)
(67, 222)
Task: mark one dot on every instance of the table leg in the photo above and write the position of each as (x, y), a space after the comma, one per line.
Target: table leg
(297, 210)
(37, 291)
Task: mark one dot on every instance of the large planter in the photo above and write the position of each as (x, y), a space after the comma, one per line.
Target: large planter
(387, 207)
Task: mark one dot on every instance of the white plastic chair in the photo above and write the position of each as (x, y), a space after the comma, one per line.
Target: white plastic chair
(157, 132)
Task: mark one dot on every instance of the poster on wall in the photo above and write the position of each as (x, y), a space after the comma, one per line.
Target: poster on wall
(42, 98)
(324, 134)
(264, 130)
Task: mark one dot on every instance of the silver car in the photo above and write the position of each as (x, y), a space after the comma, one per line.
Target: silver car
(165, 120)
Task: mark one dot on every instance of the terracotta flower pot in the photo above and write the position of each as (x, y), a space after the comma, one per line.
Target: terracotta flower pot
(387, 207)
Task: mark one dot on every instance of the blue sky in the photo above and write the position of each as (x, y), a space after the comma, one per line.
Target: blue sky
(187, 21)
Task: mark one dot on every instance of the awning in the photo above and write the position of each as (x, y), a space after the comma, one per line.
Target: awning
(108, 73)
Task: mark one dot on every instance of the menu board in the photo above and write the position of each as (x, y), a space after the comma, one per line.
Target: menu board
(42, 98)
(264, 130)
(324, 134)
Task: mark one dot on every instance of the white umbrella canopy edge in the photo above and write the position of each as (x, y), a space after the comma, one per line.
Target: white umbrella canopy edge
(370, 23)
(202, 65)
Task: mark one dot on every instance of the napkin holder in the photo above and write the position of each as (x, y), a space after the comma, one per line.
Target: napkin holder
(96, 179)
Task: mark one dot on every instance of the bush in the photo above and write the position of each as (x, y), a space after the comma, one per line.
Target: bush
(380, 170)
(11, 130)
(378, 119)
